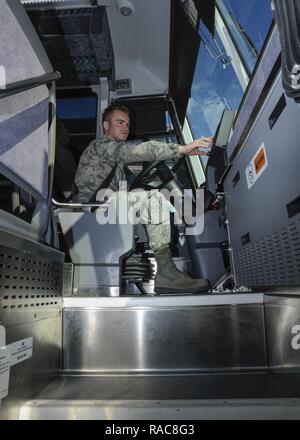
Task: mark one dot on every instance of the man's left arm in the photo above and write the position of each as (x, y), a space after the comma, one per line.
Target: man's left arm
(154, 150)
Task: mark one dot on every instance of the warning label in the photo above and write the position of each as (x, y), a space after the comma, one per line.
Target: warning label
(260, 160)
(257, 166)
(21, 350)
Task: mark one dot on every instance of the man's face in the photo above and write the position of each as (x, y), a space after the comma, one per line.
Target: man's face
(117, 127)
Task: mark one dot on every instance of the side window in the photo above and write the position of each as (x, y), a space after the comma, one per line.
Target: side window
(215, 86)
(226, 61)
(248, 22)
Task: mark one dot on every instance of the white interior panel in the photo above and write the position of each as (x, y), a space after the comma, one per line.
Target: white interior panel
(141, 44)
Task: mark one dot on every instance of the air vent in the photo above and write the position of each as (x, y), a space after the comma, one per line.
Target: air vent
(293, 208)
(28, 281)
(272, 261)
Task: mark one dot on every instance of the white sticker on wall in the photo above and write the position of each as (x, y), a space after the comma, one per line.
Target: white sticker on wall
(20, 350)
(257, 166)
(4, 371)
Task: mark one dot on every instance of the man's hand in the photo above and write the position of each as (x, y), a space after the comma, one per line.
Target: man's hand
(193, 148)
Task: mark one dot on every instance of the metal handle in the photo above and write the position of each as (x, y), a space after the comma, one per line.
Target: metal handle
(21, 86)
(79, 205)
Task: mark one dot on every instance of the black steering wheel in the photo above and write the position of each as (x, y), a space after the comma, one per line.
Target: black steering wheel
(155, 176)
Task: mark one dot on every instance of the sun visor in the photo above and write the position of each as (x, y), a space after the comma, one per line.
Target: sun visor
(184, 52)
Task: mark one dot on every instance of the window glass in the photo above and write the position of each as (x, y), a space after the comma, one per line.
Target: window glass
(253, 18)
(77, 108)
(215, 87)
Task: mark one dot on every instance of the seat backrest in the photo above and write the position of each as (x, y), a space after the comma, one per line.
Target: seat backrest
(96, 251)
(65, 164)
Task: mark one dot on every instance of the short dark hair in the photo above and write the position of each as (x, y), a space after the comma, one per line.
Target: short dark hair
(109, 110)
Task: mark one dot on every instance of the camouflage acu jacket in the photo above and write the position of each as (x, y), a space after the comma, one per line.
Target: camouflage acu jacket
(103, 154)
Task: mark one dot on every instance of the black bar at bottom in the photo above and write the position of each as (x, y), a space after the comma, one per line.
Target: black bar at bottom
(21, 86)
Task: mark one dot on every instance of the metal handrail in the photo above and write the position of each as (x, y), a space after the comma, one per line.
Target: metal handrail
(21, 86)
(79, 205)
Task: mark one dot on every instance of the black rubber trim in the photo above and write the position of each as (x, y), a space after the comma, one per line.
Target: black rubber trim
(245, 239)
(280, 106)
(293, 208)
(236, 179)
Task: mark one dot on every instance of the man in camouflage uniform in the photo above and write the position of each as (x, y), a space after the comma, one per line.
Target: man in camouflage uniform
(109, 155)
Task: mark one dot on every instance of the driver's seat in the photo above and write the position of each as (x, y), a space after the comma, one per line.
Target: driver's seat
(96, 250)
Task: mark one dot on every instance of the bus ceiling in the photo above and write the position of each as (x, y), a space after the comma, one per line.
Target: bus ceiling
(143, 47)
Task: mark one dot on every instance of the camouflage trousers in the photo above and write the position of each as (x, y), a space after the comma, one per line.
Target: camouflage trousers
(150, 208)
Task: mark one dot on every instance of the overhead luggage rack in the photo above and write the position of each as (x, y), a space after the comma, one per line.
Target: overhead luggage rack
(83, 37)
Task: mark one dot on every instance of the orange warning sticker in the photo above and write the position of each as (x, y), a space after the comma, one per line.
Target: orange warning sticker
(257, 166)
(260, 160)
